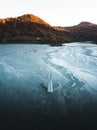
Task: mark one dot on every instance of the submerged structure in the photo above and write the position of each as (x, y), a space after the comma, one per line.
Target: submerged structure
(50, 84)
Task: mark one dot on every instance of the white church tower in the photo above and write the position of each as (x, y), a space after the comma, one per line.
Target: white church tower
(50, 84)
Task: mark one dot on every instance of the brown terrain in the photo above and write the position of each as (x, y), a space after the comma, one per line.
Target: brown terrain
(32, 29)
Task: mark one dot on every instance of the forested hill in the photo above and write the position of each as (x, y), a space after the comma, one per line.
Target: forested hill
(29, 28)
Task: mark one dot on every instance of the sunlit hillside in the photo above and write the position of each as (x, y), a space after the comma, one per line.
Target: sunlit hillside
(32, 29)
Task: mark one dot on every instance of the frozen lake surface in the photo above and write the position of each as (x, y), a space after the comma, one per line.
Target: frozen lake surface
(24, 77)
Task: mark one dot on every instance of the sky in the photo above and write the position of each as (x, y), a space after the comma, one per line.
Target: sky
(55, 12)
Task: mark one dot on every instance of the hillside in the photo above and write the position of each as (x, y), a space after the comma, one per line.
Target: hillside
(32, 29)
(85, 31)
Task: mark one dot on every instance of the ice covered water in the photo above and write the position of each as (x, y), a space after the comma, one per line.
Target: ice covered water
(25, 68)
(24, 77)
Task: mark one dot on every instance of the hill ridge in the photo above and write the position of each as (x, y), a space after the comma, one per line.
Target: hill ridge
(29, 28)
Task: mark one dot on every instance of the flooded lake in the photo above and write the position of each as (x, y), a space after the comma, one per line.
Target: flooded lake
(24, 79)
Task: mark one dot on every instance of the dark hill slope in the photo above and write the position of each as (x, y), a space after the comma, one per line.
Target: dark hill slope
(84, 31)
(32, 29)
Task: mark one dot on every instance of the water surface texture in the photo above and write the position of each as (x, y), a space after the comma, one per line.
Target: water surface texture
(24, 78)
